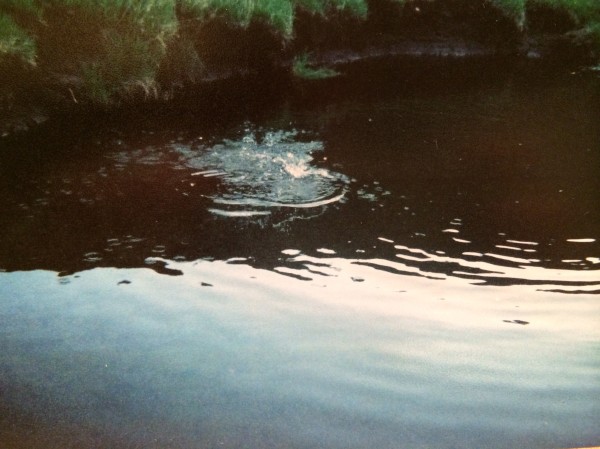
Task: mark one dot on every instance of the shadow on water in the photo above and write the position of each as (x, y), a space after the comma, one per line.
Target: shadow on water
(458, 168)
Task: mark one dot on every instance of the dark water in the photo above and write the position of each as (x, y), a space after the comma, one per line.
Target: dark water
(406, 257)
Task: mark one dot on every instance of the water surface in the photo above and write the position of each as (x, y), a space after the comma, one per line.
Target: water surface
(407, 256)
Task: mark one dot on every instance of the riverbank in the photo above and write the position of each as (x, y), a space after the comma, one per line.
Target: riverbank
(69, 56)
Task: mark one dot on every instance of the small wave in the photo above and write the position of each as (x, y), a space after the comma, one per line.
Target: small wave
(265, 203)
(239, 213)
(454, 271)
(469, 268)
(485, 268)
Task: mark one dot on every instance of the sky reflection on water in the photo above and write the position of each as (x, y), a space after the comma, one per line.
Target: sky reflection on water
(374, 267)
(234, 355)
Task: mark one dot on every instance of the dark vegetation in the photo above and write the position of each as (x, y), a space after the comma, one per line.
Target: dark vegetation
(57, 54)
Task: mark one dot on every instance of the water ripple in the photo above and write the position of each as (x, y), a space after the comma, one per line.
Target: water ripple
(277, 170)
(472, 268)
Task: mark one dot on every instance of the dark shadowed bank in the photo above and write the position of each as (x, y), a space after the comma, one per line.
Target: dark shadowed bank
(70, 57)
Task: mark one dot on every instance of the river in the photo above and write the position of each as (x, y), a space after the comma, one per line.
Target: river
(406, 256)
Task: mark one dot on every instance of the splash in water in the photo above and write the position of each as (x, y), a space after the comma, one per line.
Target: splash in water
(276, 171)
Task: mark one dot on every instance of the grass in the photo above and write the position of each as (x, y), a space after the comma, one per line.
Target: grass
(582, 9)
(356, 7)
(15, 42)
(116, 48)
(585, 12)
(111, 46)
(301, 68)
(132, 42)
(277, 13)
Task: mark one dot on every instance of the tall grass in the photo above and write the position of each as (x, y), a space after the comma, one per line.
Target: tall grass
(279, 14)
(131, 43)
(582, 9)
(15, 42)
(356, 7)
(301, 68)
(585, 12)
(117, 47)
(112, 46)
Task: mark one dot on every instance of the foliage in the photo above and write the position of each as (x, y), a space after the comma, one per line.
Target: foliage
(14, 41)
(277, 13)
(586, 12)
(303, 69)
(109, 45)
(110, 49)
(356, 7)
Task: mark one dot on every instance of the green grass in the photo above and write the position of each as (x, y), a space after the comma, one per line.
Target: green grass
(112, 46)
(301, 68)
(582, 9)
(277, 13)
(356, 7)
(586, 12)
(15, 42)
(115, 48)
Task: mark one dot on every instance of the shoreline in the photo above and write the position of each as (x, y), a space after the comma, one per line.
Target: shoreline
(217, 50)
